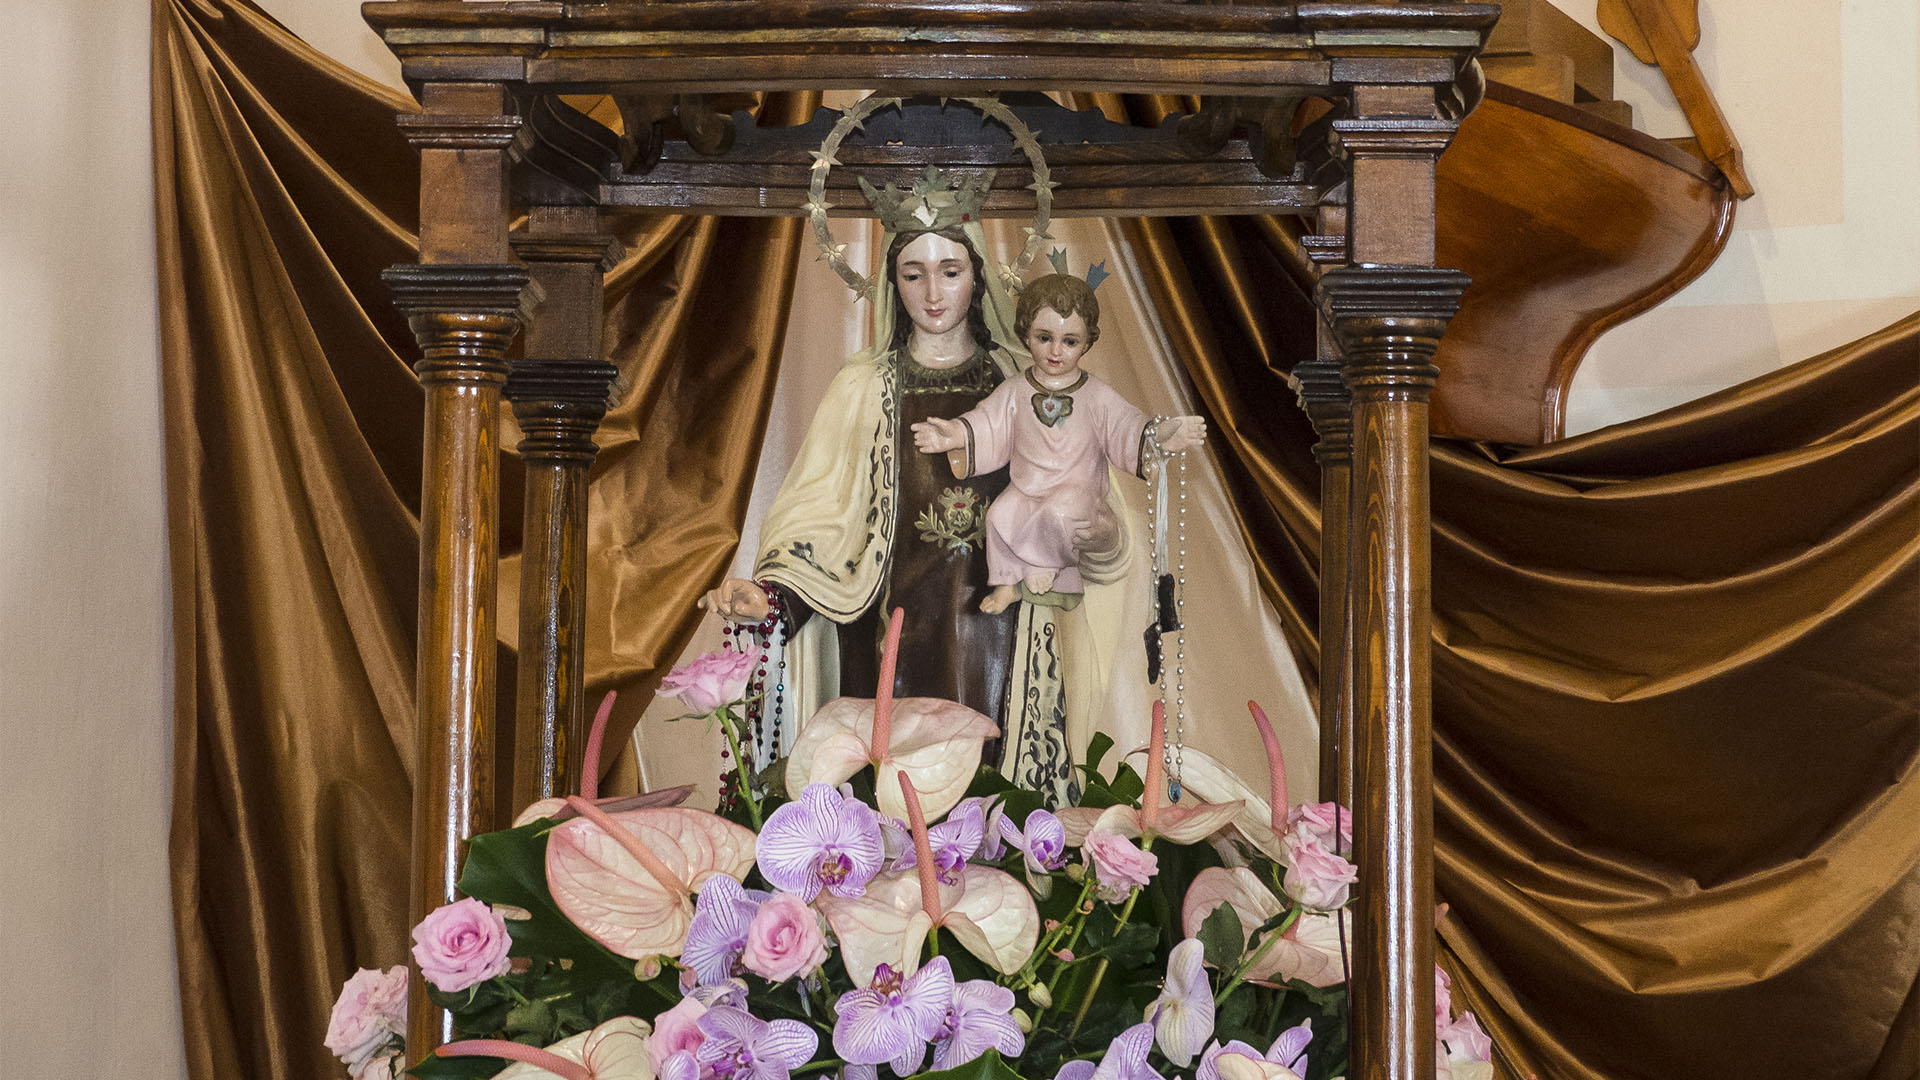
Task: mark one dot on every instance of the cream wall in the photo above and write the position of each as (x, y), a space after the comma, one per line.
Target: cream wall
(86, 942)
(1822, 95)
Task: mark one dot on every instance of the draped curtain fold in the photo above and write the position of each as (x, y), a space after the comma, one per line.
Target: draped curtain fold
(1675, 693)
(293, 424)
(1676, 758)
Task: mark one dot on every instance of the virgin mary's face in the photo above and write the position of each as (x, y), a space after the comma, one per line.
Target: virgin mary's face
(935, 279)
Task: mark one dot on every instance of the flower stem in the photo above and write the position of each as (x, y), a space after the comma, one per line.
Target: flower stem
(1246, 963)
(1100, 969)
(740, 766)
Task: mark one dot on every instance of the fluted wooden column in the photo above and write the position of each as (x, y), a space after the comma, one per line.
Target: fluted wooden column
(1323, 394)
(559, 394)
(1389, 306)
(464, 303)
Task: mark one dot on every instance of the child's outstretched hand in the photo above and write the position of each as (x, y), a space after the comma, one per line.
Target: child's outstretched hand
(936, 436)
(1180, 433)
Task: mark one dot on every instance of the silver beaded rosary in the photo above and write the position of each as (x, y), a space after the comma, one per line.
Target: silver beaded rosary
(1170, 589)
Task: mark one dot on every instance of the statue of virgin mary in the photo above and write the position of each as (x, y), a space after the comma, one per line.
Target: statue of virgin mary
(863, 524)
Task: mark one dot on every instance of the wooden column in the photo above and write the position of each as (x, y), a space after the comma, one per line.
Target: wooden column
(559, 394)
(1389, 307)
(464, 303)
(1323, 394)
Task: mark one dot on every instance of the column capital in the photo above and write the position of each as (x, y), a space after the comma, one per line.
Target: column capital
(597, 248)
(458, 131)
(463, 316)
(1389, 320)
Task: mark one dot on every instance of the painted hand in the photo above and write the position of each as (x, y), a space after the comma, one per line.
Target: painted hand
(737, 600)
(936, 436)
(1181, 433)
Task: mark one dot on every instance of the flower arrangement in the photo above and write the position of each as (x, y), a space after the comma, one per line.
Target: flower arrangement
(883, 903)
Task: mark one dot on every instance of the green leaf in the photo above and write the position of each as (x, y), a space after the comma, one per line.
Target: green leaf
(458, 1068)
(987, 1066)
(531, 1018)
(1097, 748)
(1220, 938)
(1127, 786)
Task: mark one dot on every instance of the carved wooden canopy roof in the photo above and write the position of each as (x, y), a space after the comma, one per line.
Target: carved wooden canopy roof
(672, 65)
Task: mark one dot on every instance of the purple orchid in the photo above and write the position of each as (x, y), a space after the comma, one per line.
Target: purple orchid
(1182, 1016)
(823, 840)
(1125, 1059)
(1289, 1050)
(1043, 841)
(718, 931)
(954, 841)
(994, 811)
(894, 1018)
(681, 1065)
(979, 1019)
(740, 1046)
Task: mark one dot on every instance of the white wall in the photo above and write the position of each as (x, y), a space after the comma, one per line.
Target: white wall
(1824, 97)
(86, 941)
(1825, 100)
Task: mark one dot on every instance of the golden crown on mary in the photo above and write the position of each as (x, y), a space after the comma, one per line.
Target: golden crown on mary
(934, 202)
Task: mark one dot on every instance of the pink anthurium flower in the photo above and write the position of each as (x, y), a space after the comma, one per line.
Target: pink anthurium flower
(935, 742)
(1182, 824)
(627, 880)
(557, 809)
(616, 1050)
(1309, 950)
(987, 910)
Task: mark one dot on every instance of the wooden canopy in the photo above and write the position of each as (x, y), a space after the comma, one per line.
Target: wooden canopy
(496, 141)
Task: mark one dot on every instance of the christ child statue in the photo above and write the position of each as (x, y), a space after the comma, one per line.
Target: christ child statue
(1056, 429)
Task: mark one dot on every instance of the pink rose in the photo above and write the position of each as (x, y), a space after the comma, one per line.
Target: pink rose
(784, 939)
(460, 945)
(1316, 877)
(1118, 864)
(1318, 821)
(1442, 996)
(371, 1013)
(712, 680)
(380, 1068)
(1465, 1041)
(674, 1030)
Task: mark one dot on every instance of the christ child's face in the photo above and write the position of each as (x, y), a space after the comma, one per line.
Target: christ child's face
(935, 278)
(1057, 343)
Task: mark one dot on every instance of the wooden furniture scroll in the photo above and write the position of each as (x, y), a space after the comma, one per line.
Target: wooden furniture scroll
(495, 139)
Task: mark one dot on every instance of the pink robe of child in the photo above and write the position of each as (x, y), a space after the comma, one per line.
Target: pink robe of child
(1058, 474)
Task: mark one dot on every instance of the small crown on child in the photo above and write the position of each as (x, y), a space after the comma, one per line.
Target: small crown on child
(933, 203)
(1096, 272)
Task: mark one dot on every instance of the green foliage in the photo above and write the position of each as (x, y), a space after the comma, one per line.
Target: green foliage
(458, 1068)
(987, 1066)
(1220, 938)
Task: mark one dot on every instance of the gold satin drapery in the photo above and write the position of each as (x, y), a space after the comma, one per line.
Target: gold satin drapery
(293, 424)
(1674, 665)
(1676, 692)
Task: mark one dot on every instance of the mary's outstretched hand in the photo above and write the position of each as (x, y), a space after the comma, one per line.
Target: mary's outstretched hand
(738, 600)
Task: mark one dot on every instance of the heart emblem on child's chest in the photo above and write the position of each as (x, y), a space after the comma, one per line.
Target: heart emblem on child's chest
(1051, 409)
